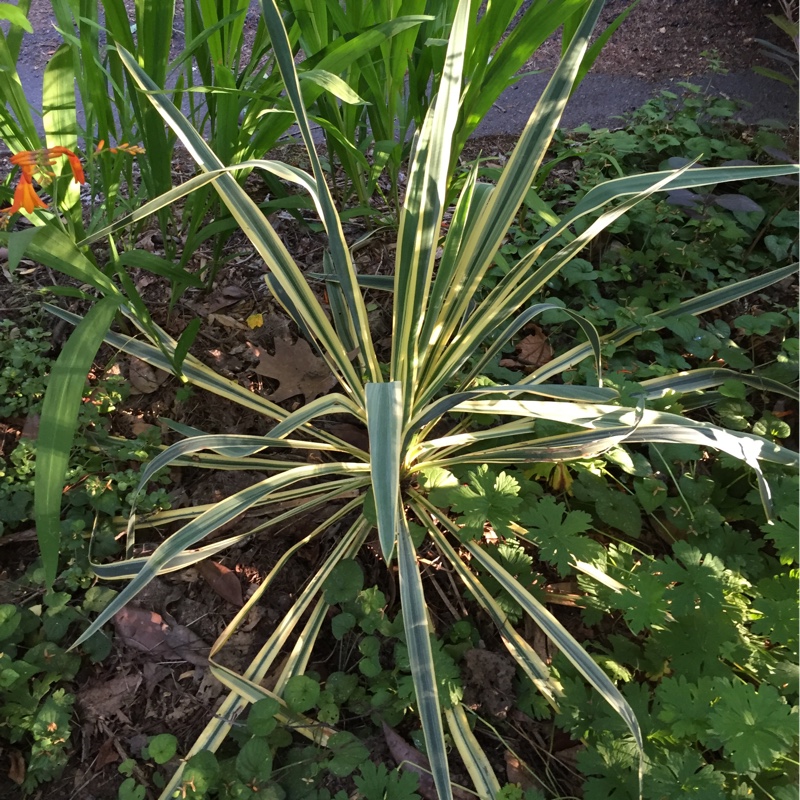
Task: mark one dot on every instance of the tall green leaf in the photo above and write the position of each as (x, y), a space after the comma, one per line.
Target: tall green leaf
(59, 421)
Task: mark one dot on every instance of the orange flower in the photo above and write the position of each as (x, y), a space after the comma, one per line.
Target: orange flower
(130, 149)
(37, 163)
(25, 197)
(32, 161)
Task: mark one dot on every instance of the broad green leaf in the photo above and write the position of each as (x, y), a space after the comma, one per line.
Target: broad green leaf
(333, 84)
(301, 693)
(384, 423)
(16, 16)
(58, 101)
(58, 424)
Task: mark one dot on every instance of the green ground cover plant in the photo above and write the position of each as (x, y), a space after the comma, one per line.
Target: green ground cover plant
(36, 673)
(438, 421)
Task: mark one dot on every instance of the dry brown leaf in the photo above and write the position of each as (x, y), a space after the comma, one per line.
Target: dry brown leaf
(105, 700)
(138, 425)
(228, 322)
(534, 350)
(147, 632)
(297, 370)
(223, 581)
(143, 378)
(410, 759)
(107, 754)
(352, 434)
(16, 770)
(518, 772)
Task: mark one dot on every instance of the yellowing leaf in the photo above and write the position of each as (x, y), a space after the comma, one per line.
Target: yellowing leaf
(255, 321)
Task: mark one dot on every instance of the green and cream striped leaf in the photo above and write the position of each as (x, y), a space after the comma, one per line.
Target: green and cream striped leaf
(385, 427)
(471, 199)
(333, 489)
(347, 547)
(217, 729)
(502, 338)
(472, 754)
(563, 447)
(556, 391)
(500, 205)
(582, 661)
(420, 654)
(251, 692)
(258, 230)
(322, 406)
(285, 172)
(694, 306)
(599, 196)
(225, 444)
(207, 523)
(340, 254)
(564, 640)
(514, 290)
(423, 207)
(700, 379)
(130, 567)
(746, 447)
(598, 417)
(203, 377)
(300, 655)
(516, 645)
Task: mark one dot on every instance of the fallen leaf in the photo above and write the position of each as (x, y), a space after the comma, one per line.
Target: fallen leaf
(410, 759)
(227, 321)
(518, 772)
(255, 321)
(147, 632)
(143, 378)
(186, 644)
(106, 700)
(223, 581)
(139, 426)
(534, 350)
(17, 769)
(221, 298)
(107, 754)
(297, 370)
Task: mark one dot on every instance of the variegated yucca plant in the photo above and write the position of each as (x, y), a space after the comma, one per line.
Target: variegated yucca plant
(418, 418)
